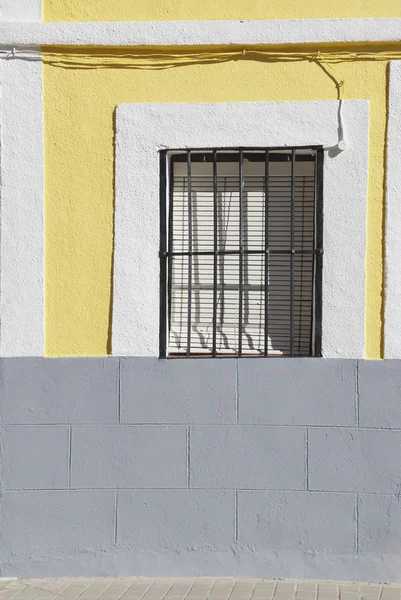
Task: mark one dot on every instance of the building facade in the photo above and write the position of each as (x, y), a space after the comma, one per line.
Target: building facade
(200, 288)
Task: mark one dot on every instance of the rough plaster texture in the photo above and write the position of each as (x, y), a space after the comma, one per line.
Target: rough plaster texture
(187, 518)
(380, 523)
(387, 376)
(267, 392)
(21, 212)
(236, 457)
(354, 460)
(154, 10)
(208, 397)
(28, 395)
(392, 314)
(194, 33)
(282, 497)
(144, 129)
(29, 447)
(20, 10)
(118, 456)
(315, 526)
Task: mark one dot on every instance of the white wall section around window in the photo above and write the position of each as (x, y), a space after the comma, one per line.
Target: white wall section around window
(201, 33)
(21, 213)
(392, 312)
(144, 129)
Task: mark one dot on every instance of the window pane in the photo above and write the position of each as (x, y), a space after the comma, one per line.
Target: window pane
(286, 310)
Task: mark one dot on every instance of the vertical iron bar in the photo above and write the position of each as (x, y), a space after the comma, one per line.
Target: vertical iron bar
(163, 256)
(215, 248)
(170, 170)
(317, 350)
(266, 348)
(241, 249)
(292, 252)
(189, 177)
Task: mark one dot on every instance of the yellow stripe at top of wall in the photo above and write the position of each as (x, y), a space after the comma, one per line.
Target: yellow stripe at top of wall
(79, 106)
(193, 10)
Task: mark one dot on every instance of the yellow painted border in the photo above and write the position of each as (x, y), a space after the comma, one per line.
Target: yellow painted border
(79, 109)
(156, 10)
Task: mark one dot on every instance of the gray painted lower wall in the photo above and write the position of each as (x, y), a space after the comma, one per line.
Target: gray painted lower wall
(252, 467)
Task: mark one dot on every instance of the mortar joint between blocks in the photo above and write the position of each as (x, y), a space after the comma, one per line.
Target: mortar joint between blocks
(236, 516)
(237, 392)
(115, 517)
(357, 392)
(119, 392)
(188, 457)
(307, 458)
(357, 524)
(69, 455)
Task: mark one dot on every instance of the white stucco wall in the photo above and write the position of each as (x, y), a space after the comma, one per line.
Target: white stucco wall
(21, 209)
(178, 33)
(144, 129)
(20, 10)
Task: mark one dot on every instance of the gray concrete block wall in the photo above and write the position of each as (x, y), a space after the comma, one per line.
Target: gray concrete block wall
(252, 467)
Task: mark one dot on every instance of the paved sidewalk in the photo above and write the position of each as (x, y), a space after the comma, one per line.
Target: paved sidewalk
(202, 588)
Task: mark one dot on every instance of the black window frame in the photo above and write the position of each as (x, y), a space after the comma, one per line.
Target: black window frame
(167, 157)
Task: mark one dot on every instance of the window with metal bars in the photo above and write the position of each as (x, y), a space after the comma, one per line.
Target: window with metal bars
(241, 252)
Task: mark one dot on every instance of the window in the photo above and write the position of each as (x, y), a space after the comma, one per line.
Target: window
(241, 252)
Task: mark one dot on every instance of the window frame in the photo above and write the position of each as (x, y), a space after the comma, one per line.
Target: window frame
(167, 159)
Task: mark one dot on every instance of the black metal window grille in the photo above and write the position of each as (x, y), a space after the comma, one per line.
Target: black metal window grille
(241, 252)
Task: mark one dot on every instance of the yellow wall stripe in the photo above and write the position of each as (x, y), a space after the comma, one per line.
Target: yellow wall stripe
(155, 10)
(79, 120)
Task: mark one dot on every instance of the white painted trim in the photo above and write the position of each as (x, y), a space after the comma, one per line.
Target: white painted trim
(143, 129)
(20, 10)
(392, 306)
(181, 33)
(21, 211)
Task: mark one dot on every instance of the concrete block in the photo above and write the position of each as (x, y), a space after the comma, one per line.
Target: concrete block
(244, 456)
(379, 524)
(34, 457)
(129, 457)
(56, 522)
(178, 391)
(62, 390)
(354, 460)
(297, 521)
(380, 393)
(172, 519)
(297, 391)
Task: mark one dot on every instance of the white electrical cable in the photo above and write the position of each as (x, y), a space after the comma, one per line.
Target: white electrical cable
(342, 141)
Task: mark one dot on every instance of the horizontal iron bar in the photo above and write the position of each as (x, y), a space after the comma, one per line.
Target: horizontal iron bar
(244, 148)
(318, 251)
(260, 354)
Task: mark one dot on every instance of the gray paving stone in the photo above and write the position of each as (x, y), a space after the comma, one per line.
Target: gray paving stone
(35, 457)
(380, 393)
(244, 456)
(60, 522)
(203, 588)
(129, 456)
(173, 519)
(354, 460)
(379, 519)
(178, 391)
(297, 521)
(53, 390)
(297, 391)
